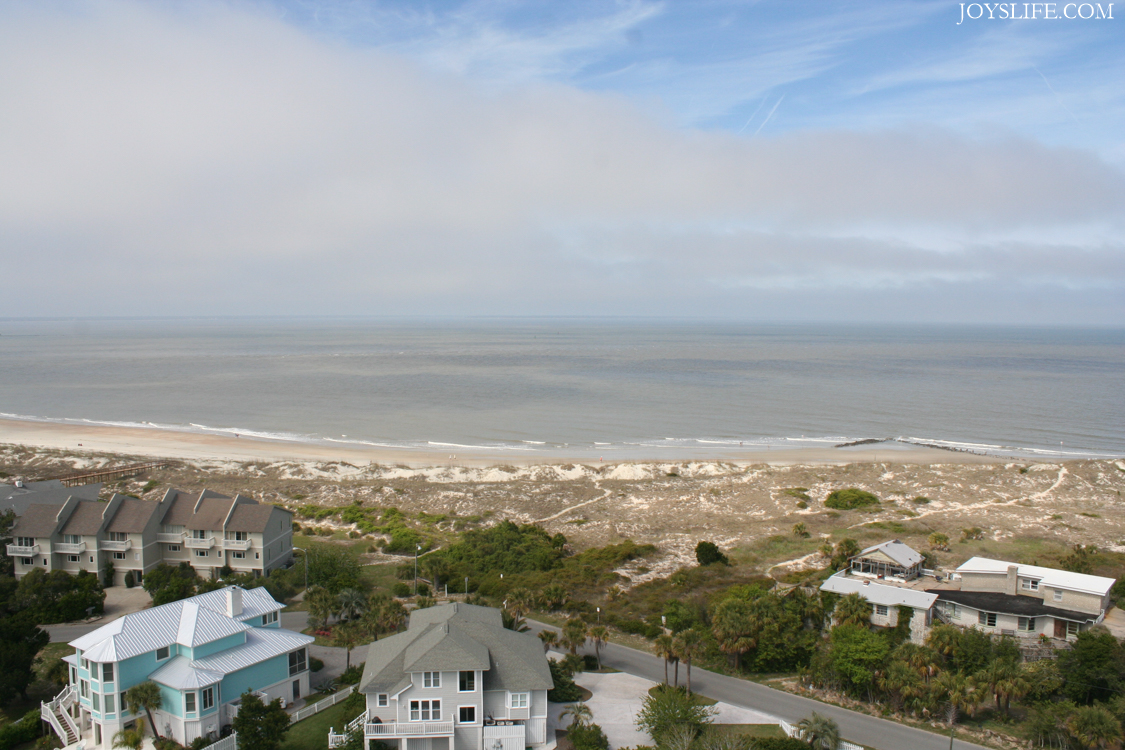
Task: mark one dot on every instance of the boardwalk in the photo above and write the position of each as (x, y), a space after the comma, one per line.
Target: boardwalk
(103, 475)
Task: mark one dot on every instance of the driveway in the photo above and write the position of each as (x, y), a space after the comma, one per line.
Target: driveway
(118, 601)
(617, 698)
(854, 726)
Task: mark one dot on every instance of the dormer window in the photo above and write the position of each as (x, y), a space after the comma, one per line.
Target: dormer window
(162, 653)
(1029, 584)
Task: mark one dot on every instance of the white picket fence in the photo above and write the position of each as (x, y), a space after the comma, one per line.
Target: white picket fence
(230, 742)
(791, 731)
(320, 705)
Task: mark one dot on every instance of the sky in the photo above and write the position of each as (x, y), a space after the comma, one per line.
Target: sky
(761, 161)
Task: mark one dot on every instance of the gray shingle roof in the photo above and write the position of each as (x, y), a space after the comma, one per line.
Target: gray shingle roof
(901, 553)
(454, 637)
(50, 492)
(37, 521)
(86, 519)
(132, 516)
(247, 517)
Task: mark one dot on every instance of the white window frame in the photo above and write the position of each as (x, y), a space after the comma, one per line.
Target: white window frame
(109, 707)
(988, 619)
(519, 700)
(471, 679)
(470, 721)
(1029, 584)
(382, 700)
(173, 548)
(118, 555)
(882, 610)
(73, 558)
(425, 710)
(201, 553)
(431, 679)
(207, 698)
(1058, 595)
(1026, 624)
(107, 672)
(1071, 628)
(167, 653)
(193, 706)
(238, 555)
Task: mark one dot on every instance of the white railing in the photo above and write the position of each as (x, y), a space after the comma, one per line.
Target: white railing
(503, 732)
(320, 705)
(169, 538)
(411, 729)
(791, 731)
(115, 546)
(357, 722)
(67, 548)
(243, 544)
(59, 707)
(194, 543)
(17, 550)
(230, 742)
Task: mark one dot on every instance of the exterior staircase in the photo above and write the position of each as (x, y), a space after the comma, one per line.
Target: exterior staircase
(57, 714)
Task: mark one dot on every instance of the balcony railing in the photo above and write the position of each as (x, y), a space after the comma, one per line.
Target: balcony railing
(509, 731)
(67, 548)
(170, 538)
(194, 543)
(242, 544)
(410, 729)
(113, 546)
(17, 550)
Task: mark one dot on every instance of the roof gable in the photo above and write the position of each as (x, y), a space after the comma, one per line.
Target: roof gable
(899, 553)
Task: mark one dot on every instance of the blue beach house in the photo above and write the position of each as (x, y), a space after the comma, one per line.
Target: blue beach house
(204, 652)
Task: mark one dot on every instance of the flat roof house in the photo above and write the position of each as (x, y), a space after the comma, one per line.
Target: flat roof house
(456, 679)
(204, 652)
(1026, 600)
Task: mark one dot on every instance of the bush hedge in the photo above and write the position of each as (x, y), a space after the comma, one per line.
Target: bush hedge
(19, 732)
(850, 499)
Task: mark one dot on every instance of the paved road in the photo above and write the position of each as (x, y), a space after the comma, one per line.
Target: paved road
(854, 726)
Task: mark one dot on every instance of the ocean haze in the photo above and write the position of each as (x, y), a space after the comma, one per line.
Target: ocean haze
(614, 387)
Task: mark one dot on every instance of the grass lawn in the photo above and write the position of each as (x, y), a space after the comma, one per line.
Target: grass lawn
(752, 730)
(312, 733)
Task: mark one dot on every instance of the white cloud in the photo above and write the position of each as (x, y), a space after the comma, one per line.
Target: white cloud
(206, 159)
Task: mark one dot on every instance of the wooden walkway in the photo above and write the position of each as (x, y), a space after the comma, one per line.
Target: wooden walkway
(117, 472)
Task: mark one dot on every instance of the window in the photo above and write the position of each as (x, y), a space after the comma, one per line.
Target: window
(162, 653)
(118, 536)
(467, 681)
(173, 548)
(1058, 595)
(73, 675)
(71, 539)
(72, 558)
(881, 610)
(109, 703)
(269, 617)
(1071, 629)
(28, 561)
(95, 701)
(519, 700)
(257, 555)
(238, 555)
(25, 541)
(1029, 584)
(467, 714)
(198, 534)
(124, 705)
(84, 688)
(296, 662)
(1026, 623)
(171, 529)
(189, 702)
(208, 696)
(118, 555)
(240, 536)
(201, 553)
(431, 679)
(381, 700)
(425, 710)
(987, 618)
(107, 673)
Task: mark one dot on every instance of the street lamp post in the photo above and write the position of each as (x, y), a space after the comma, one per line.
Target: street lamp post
(599, 615)
(417, 549)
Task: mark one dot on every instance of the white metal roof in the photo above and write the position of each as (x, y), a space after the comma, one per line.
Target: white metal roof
(901, 553)
(878, 593)
(179, 673)
(1053, 577)
(255, 602)
(261, 644)
(189, 622)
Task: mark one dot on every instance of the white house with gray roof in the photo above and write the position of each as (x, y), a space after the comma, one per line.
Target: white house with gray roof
(456, 679)
(885, 602)
(204, 652)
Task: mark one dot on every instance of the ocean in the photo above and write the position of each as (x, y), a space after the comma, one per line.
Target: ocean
(613, 388)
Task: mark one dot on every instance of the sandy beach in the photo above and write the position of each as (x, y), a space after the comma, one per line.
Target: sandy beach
(163, 443)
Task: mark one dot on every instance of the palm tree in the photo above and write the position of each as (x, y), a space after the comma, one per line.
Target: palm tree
(960, 693)
(944, 639)
(131, 738)
(391, 616)
(574, 634)
(897, 680)
(689, 644)
(146, 696)
(346, 635)
(599, 634)
(731, 626)
(549, 638)
(820, 732)
(579, 713)
(852, 609)
(320, 604)
(665, 647)
(994, 676)
(1094, 727)
(800, 531)
(554, 596)
(351, 602)
(520, 602)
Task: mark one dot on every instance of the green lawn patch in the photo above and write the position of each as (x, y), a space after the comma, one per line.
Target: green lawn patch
(312, 733)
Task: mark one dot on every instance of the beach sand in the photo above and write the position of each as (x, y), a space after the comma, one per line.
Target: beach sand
(163, 443)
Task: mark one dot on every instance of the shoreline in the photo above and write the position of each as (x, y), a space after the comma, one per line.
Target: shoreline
(182, 445)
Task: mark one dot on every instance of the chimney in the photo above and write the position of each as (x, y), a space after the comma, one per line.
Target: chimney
(1011, 585)
(234, 601)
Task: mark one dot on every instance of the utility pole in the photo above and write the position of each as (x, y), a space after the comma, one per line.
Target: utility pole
(466, 587)
(418, 548)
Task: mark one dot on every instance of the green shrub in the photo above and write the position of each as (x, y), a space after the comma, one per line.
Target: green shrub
(708, 553)
(351, 675)
(315, 664)
(564, 691)
(401, 589)
(850, 499)
(130, 580)
(19, 732)
(587, 737)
